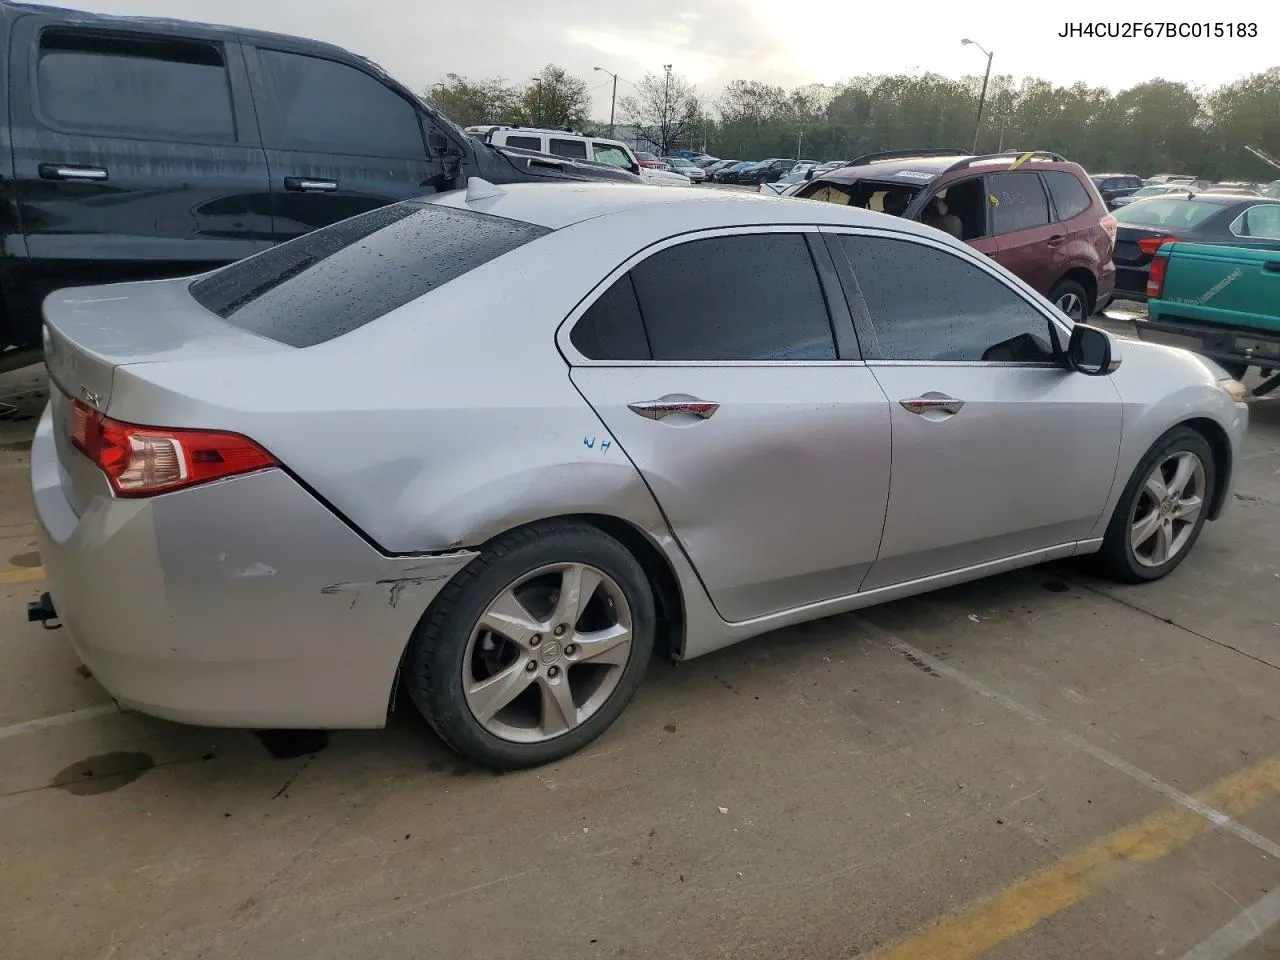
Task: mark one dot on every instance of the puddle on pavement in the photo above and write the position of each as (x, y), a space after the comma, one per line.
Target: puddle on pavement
(103, 773)
(31, 559)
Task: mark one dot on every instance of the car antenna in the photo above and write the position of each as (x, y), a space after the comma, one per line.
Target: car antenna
(480, 189)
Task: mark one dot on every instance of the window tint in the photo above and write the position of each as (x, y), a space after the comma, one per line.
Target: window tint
(577, 149)
(751, 297)
(1020, 203)
(336, 279)
(1069, 194)
(161, 88)
(327, 106)
(1166, 212)
(610, 154)
(611, 329)
(525, 143)
(928, 304)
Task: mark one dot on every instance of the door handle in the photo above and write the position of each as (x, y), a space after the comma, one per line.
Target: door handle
(63, 171)
(1272, 265)
(932, 402)
(1055, 240)
(309, 185)
(660, 409)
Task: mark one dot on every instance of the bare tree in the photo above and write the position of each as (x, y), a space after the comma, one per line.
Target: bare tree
(664, 110)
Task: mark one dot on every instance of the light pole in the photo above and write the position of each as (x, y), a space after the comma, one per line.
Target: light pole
(982, 100)
(613, 100)
(667, 112)
(537, 103)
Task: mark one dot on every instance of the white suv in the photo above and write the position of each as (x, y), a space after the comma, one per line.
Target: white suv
(576, 146)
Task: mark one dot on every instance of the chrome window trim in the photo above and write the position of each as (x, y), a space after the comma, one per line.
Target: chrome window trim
(576, 359)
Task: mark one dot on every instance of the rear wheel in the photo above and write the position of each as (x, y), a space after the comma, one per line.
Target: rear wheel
(1071, 298)
(536, 647)
(1162, 510)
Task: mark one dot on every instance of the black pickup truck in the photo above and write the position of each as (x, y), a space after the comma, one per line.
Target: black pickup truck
(135, 148)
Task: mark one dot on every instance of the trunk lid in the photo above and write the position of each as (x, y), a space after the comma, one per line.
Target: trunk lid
(91, 332)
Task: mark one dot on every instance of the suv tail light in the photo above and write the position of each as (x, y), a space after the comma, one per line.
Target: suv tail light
(1155, 278)
(143, 461)
(1149, 245)
(1109, 224)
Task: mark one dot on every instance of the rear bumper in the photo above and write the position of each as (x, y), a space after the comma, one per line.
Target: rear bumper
(1250, 347)
(240, 603)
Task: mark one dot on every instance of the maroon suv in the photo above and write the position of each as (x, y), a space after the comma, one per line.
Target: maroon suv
(1035, 213)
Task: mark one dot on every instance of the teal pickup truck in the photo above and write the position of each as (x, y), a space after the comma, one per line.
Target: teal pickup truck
(1219, 301)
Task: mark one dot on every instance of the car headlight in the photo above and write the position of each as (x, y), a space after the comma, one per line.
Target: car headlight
(1235, 389)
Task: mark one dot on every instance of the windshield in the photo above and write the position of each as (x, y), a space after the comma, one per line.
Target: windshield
(1166, 212)
(612, 155)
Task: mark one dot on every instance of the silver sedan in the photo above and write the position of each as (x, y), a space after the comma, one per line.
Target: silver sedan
(496, 447)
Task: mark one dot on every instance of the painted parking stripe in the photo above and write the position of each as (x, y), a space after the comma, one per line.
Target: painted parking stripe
(57, 720)
(1247, 927)
(22, 575)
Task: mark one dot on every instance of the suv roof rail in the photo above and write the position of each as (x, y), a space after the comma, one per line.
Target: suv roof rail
(904, 155)
(1019, 157)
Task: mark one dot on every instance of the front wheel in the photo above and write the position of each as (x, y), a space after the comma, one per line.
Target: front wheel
(535, 647)
(1162, 510)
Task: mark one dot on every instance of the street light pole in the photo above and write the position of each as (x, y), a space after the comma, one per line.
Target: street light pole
(537, 103)
(666, 111)
(613, 101)
(982, 100)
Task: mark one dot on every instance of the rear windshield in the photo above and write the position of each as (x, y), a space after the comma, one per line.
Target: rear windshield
(338, 278)
(1166, 212)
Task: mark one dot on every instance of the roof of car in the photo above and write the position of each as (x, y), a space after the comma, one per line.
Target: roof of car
(920, 170)
(559, 205)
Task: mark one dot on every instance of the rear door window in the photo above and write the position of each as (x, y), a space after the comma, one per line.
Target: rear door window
(1261, 222)
(574, 149)
(746, 297)
(525, 143)
(1069, 196)
(161, 88)
(321, 105)
(1166, 212)
(1018, 202)
(341, 277)
(612, 328)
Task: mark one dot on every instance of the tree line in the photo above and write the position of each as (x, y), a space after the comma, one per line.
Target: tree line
(1154, 127)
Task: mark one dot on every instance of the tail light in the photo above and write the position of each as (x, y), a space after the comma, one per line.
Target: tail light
(1155, 278)
(143, 461)
(1149, 245)
(1109, 224)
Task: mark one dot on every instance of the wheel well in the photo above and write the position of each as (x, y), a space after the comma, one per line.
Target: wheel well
(1216, 437)
(666, 589)
(1087, 280)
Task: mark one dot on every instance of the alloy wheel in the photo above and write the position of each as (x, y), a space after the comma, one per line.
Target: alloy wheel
(1167, 508)
(1072, 306)
(547, 652)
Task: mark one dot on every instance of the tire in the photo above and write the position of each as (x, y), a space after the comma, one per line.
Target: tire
(1119, 558)
(454, 663)
(1068, 291)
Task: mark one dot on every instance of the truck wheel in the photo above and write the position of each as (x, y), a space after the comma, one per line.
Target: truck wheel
(1071, 298)
(535, 648)
(1162, 510)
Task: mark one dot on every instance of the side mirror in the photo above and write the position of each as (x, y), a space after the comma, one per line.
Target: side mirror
(1092, 351)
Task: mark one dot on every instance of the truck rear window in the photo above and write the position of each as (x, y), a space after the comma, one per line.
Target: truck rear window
(338, 278)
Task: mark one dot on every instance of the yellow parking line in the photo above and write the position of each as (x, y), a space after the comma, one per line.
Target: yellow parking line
(1020, 907)
(22, 575)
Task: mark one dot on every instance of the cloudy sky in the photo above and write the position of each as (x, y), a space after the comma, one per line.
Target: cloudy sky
(715, 41)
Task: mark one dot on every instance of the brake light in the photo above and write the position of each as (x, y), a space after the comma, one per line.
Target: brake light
(1155, 278)
(1149, 245)
(143, 461)
(1109, 224)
